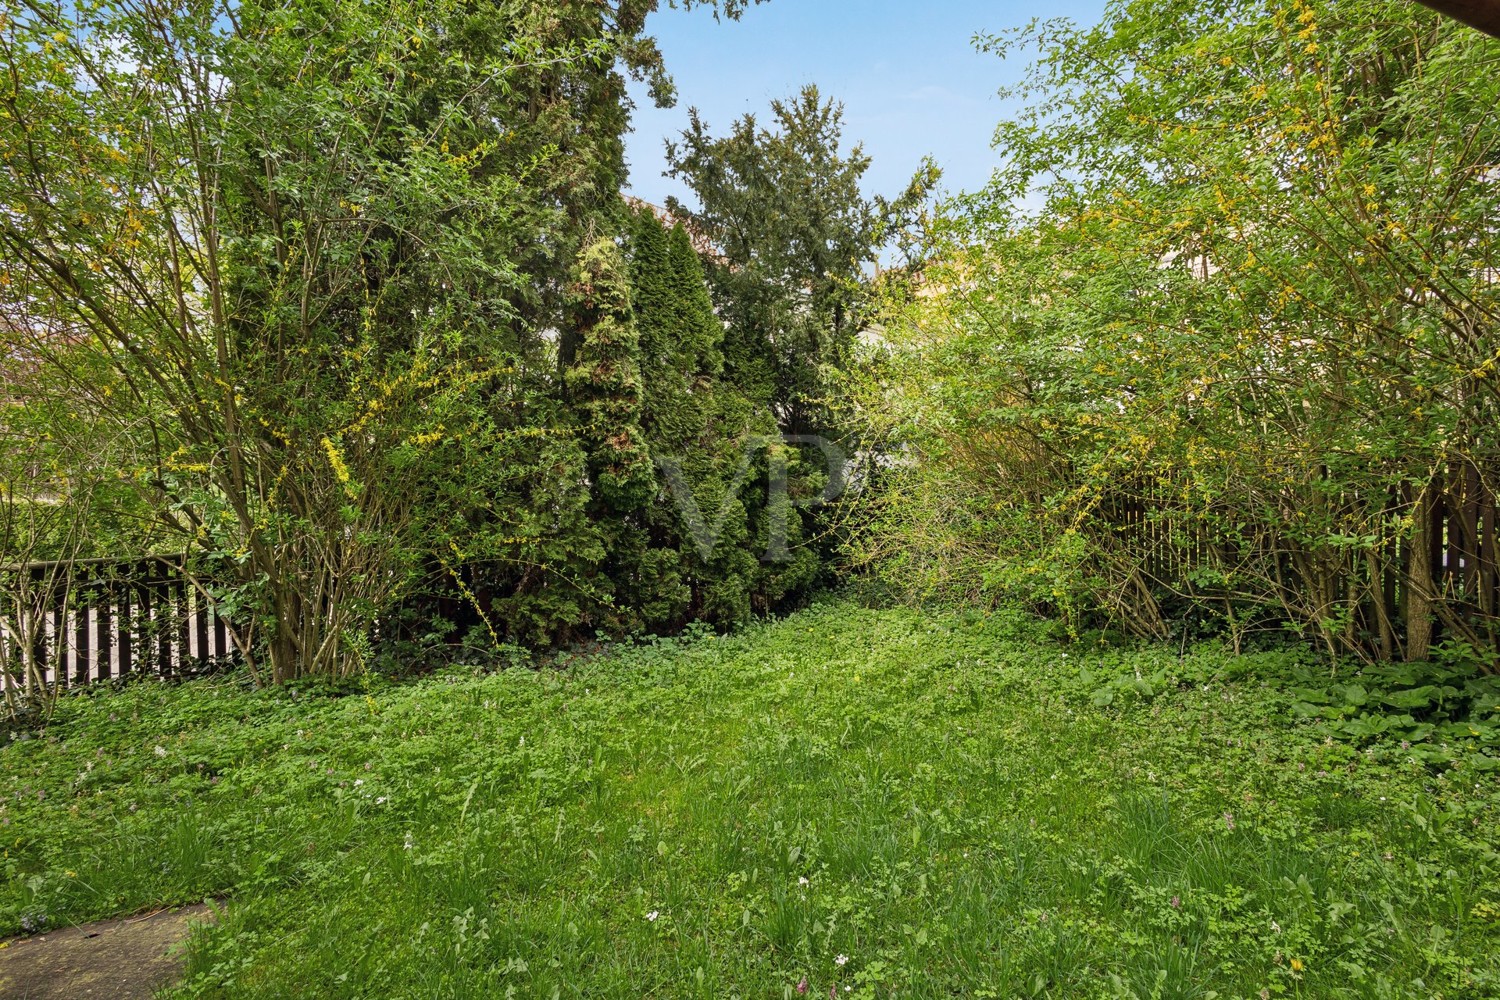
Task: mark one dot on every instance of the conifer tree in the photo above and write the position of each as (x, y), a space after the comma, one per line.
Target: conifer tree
(705, 433)
(791, 236)
(604, 381)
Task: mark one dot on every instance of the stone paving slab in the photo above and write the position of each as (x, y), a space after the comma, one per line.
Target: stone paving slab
(125, 959)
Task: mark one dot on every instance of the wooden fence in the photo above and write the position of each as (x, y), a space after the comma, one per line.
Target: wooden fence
(1370, 586)
(99, 619)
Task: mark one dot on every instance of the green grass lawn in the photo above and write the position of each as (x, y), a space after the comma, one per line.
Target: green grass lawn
(879, 803)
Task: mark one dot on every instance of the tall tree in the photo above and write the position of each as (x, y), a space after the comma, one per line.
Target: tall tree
(703, 432)
(792, 244)
(604, 382)
(324, 243)
(793, 238)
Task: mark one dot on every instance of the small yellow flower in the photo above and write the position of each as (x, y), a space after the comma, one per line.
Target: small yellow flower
(1296, 965)
(336, 461)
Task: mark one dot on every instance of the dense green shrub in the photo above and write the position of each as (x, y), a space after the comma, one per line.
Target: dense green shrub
(1240, 347)
(373, 337)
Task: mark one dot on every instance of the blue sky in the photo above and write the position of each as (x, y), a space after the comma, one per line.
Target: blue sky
(910, 79)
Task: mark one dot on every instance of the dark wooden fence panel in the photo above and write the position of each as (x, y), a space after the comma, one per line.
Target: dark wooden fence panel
(105, 619)
(1169, 546)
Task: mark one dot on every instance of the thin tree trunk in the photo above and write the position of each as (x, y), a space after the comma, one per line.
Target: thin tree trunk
(1419, 586)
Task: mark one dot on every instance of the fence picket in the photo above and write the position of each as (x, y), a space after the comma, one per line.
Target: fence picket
(101, 619)
(81, 629)
(200, 625)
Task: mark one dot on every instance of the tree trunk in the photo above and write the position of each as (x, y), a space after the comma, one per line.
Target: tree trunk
(1419, 580)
